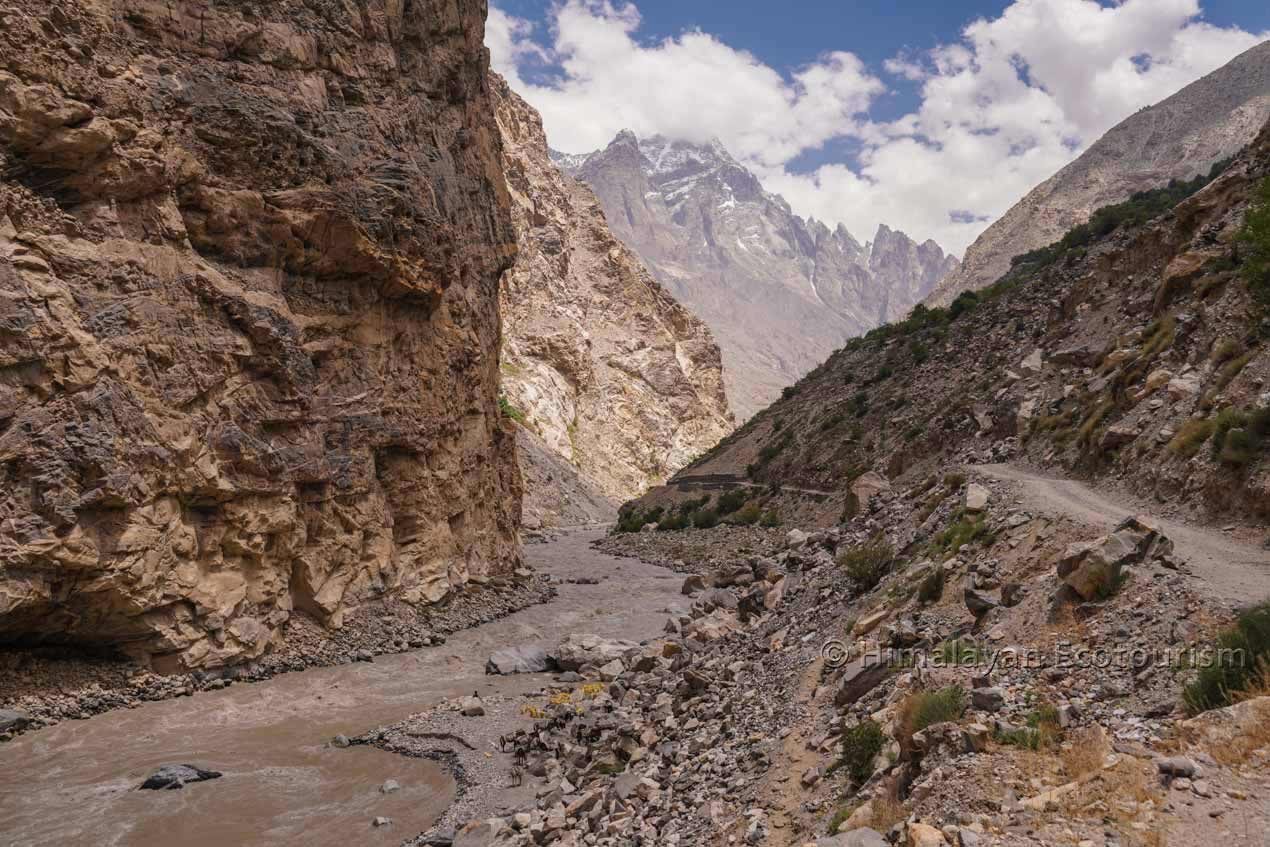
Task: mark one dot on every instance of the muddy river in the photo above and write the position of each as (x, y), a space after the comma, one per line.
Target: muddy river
(75, 783)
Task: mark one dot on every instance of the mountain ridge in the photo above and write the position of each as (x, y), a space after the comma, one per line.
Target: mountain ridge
(1180, 137)
(779, 292)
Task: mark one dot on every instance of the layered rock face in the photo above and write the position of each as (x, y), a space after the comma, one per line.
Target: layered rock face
(249, 258)
(609, 371)
(779, 293)
(1209, 120)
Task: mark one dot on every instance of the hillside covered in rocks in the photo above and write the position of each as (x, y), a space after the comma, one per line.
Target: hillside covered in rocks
(778, 292)
(1131, 354)
(598, 360)
(249, 267)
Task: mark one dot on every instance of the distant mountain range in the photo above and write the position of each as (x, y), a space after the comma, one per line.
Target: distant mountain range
(779, 293)
(1207, 121)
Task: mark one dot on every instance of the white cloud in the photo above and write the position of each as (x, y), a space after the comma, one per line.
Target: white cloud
(1000, 110)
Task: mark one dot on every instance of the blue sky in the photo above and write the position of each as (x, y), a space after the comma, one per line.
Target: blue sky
(857, 108)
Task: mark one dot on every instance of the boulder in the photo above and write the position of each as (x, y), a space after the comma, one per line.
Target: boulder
(694, 583)
(523, 659)
(867, 485)
(1183, 387)
(863, 837)
(987, 699)
(578, 650)
(1034, 363)
(1118, 436)
(720, 598)
(860, 677)
(1093, 568)
(795, 538)
(13, 720)
(977, 497)
(175, 777)
(979, 602)
(471, 707)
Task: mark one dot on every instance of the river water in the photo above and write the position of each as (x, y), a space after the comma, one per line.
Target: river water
(75, 783)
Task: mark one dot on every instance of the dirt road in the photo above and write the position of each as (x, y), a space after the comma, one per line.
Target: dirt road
(1235, 571)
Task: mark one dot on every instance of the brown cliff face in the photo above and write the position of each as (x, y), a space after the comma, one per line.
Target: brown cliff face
(249, 258)
(609, 370)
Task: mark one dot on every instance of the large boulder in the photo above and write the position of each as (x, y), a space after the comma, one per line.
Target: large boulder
(175, 777)
(523, 659)
(1093, 568)
(12, 719)
(860, 677)
(867, 485)
(579, 649)
(977, 497)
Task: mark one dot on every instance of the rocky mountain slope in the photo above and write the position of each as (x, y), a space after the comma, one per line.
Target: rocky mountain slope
(779, 293)
(601, 363)
(249, 262)
(1178, 138)
(1139, 359)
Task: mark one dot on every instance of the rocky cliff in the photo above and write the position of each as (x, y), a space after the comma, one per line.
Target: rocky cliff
(605, 367)
(1138, 360)
(1178, 138)
(249, 259)
(779, 293)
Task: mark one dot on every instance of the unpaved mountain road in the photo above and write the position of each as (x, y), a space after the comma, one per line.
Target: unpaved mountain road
(1234, 570)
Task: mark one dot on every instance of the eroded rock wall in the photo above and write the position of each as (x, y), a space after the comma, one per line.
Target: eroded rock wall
(611, 373)
(249, 260)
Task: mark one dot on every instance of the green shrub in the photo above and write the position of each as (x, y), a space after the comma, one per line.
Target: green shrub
(866, 565)
(960, 652)
(731, 501)
(705, 519)
(1255, 237)
(509, 411)
(932, 707)
(965, 529)
(672, 522)
(747, 516)
(1240, 651)
(860, 747)
(769, 519)
(1191, 437)
(1239, 438)
(633, 520)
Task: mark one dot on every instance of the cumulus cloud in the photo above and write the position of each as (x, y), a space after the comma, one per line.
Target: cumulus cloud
(1016, 98)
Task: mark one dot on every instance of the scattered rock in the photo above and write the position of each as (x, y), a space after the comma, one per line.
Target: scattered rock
(175, 777)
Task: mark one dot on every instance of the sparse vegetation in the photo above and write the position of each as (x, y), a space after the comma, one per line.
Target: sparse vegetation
(731, 501)
(1191, 437)
(1240, 651)
(959, 652)
(966, 528)
(860, 747)
(926, 708)
(747, 515)
(509, 411)
(633, 519)
(1255, 238)
(770, 519)
(866, 565)
(1240, 438)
